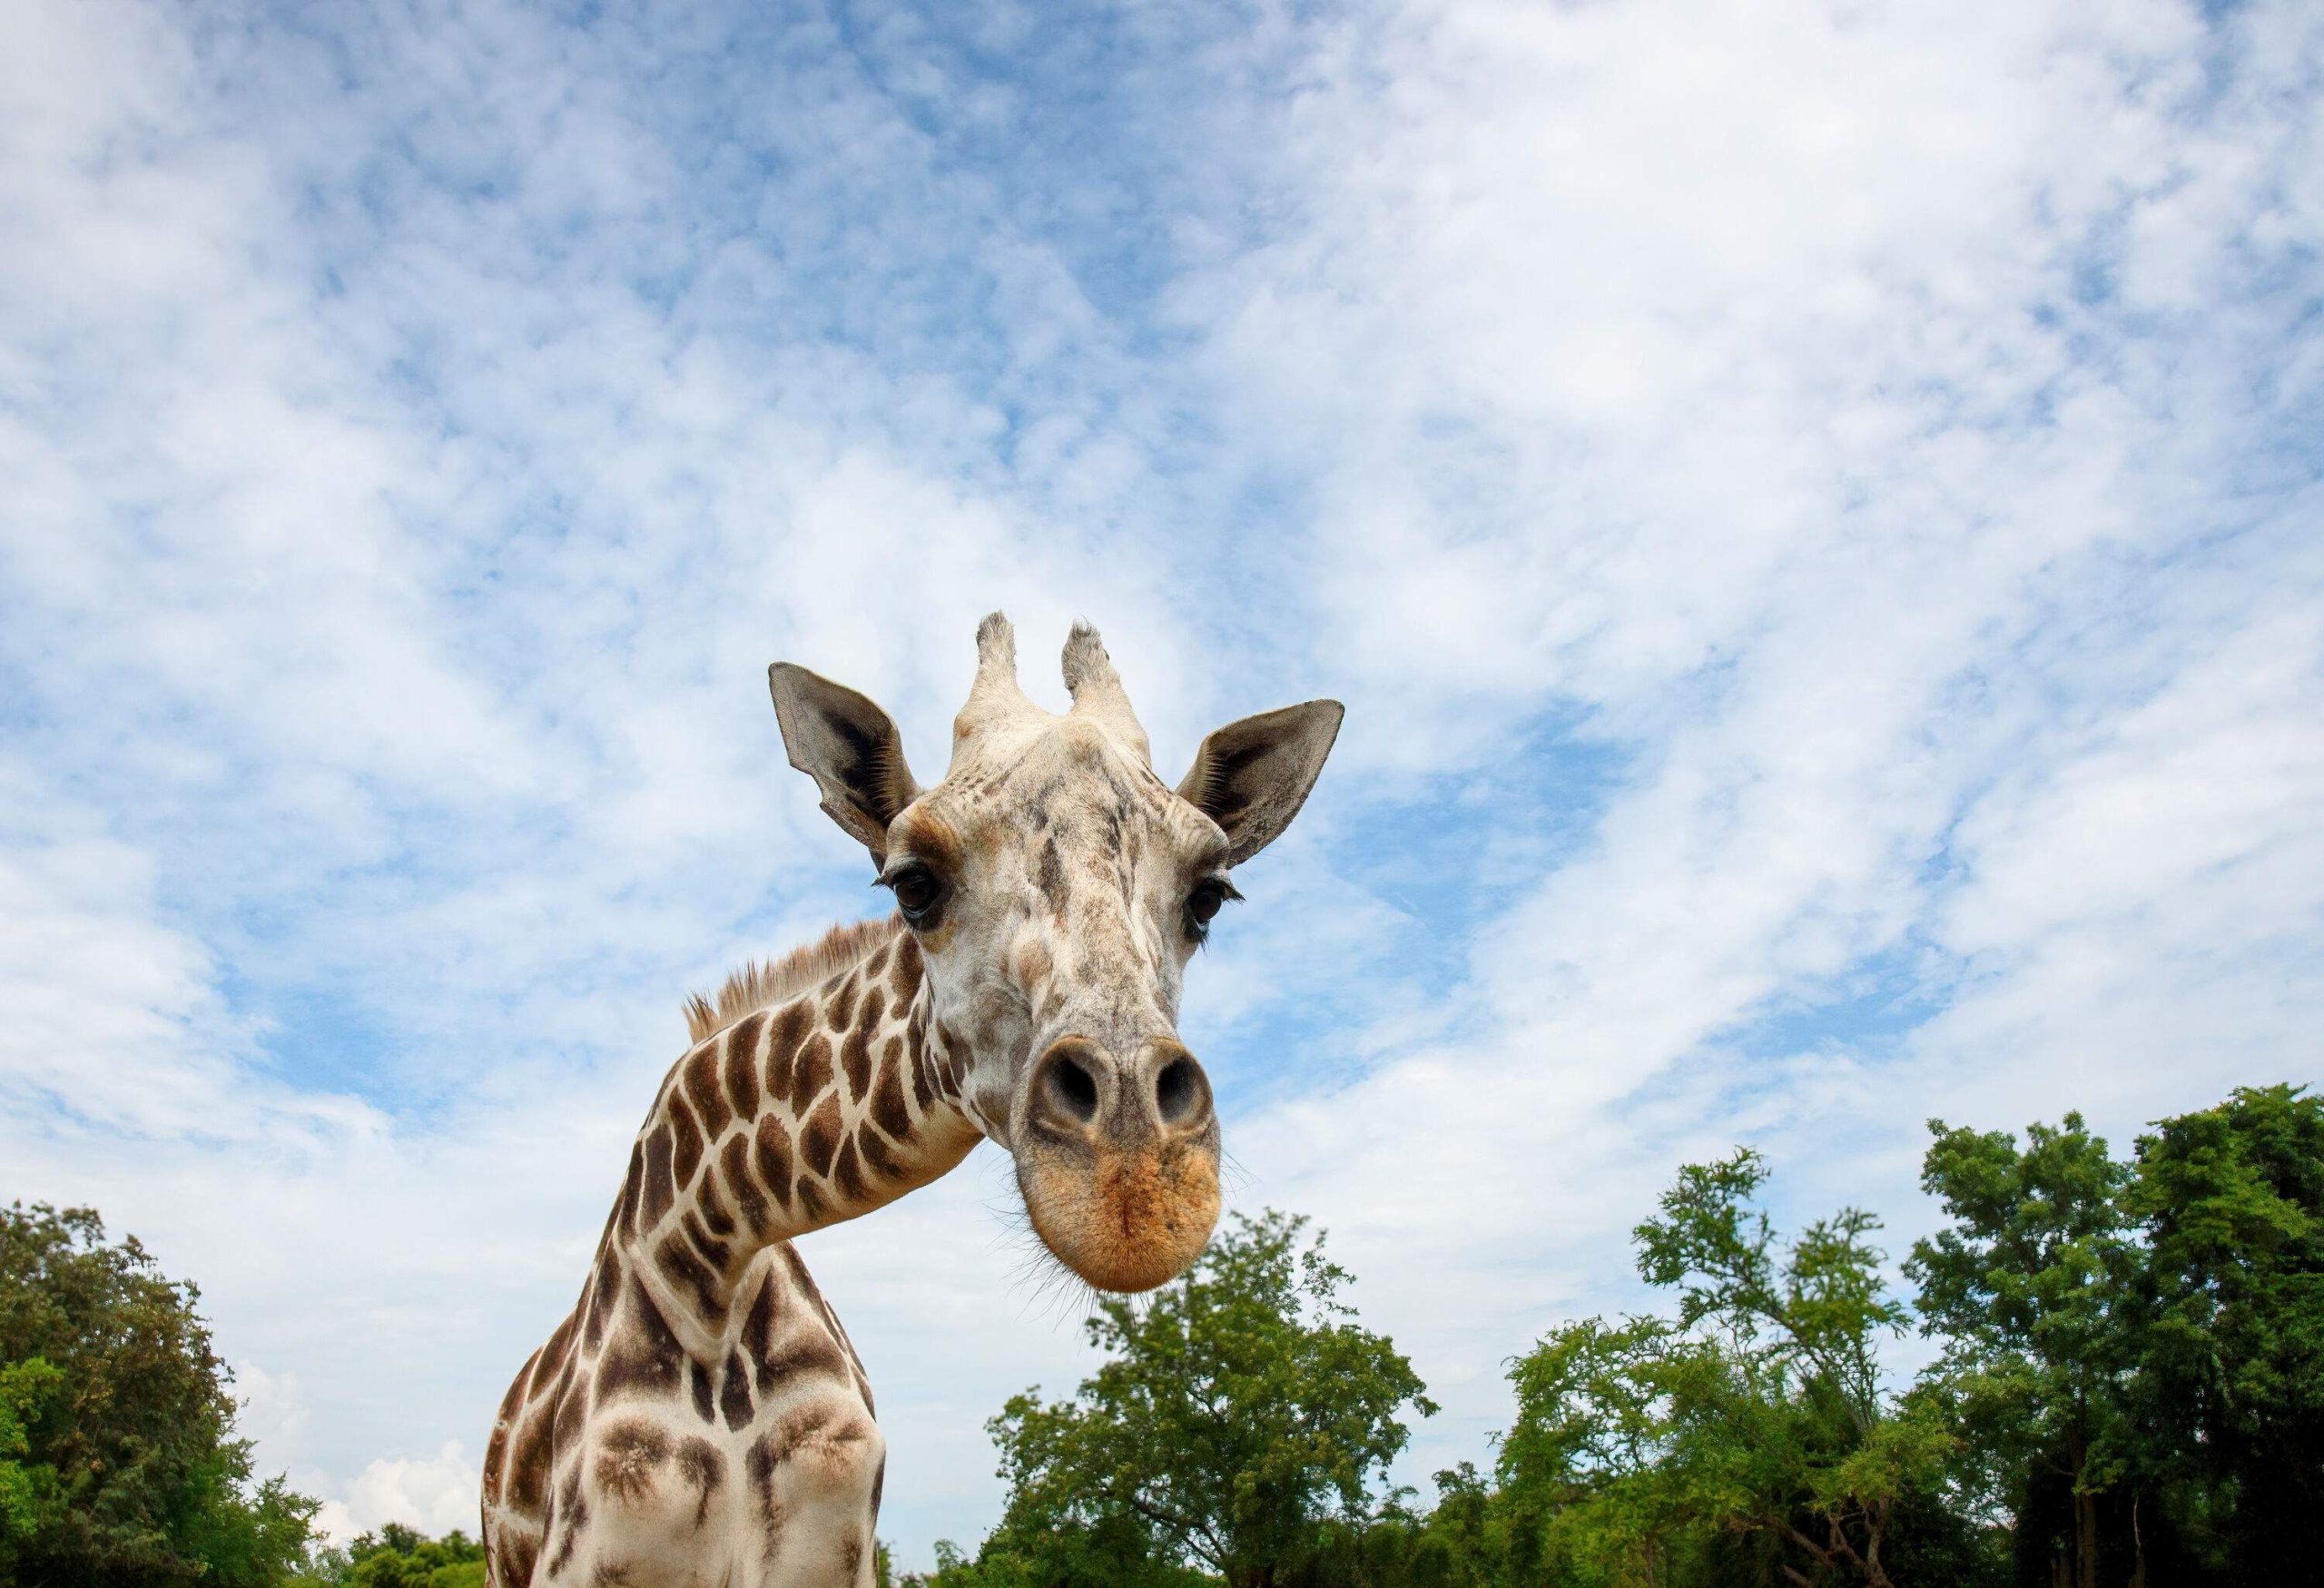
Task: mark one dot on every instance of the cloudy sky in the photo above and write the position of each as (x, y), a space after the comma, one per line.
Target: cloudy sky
(1816, 511)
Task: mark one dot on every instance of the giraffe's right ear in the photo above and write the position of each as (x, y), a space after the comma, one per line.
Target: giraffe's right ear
(849, 747)
(1251, 776)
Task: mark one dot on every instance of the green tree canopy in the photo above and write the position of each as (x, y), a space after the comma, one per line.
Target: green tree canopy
(2229, 1393)
(1745, 1440)
(397, 1556)
(1240, 1410)
(118, 1462)
(2025, 1291)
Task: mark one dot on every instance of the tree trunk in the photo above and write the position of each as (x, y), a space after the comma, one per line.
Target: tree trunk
(2085, 1510)
(2085, 1538)
(1877, 1528)
(2138, 1542)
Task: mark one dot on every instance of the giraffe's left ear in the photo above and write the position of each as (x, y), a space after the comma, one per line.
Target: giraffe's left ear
(1251, 776)
(849, 747)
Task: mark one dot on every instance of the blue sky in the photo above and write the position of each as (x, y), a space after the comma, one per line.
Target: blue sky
(1814, 510)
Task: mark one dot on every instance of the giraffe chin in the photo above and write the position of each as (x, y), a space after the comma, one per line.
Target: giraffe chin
(1124, 1221)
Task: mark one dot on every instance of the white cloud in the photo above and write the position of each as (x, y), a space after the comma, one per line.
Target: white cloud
(1736, 381)
(1857, 456)
(433, 1494)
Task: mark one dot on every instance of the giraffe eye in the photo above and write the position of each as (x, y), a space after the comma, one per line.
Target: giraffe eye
(917, 892)
(1203, 903)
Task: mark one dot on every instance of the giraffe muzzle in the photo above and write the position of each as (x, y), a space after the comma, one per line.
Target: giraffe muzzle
(1079, 1091)
(1119, 1160)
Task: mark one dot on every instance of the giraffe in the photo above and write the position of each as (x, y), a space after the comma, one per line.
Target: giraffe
(699, 1419)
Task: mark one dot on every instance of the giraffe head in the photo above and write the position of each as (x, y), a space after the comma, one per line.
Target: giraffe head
(1056, 888)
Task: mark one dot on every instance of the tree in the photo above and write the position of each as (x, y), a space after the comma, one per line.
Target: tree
(2025, 1290)
(397, 1556)
(124, 1468)
(2228, 1391)
(1240, 1410)
(1746, 1439)
(23, 1387)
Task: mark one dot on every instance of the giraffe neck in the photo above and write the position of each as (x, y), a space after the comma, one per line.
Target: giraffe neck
(817, 1111)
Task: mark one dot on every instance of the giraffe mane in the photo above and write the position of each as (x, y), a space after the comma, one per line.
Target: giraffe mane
(763, 983)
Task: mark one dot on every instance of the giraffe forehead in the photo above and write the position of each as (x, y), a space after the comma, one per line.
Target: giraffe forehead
(1067, 785)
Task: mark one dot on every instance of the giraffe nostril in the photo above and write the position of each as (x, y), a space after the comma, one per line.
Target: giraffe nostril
(1072, 1090)
(1180, 1091)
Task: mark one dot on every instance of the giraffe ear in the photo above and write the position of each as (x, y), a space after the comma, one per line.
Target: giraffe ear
(849, 747)
(1251, 776)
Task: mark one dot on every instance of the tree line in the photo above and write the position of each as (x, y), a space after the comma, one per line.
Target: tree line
(2127, 1388)
(120, 1466)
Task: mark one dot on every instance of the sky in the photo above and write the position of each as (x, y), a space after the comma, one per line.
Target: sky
(1815, 510)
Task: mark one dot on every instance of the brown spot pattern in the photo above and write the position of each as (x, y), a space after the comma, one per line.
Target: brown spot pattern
(734, 1402)
(659, 1194)
(880, 1160)
(810, 1071)
(760, 1465)
(839, 1009)
(743, 1064)
(643, 1355)
(714, 1252)
(812, 1354)
(684, 1270)
(629, 1452)
(888, 1101)
(711, 1203)
(496, 1451)
(758, 1329)
(551, 1361)
(631, 1187)
(705, 1090)
(847, 1175)
(518, 1555)
(812, 1421)
(572, 1402)
(530, 1459)
(819, 1142)
(750, 1201)
(702, 1465)
(855, 1056)
(774, 1157)
(603, 1292)
(784, 1033)
(686, 1147)
(575, 1515)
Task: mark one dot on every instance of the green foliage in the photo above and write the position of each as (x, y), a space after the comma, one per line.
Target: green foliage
(1743, 1440)
(399, 1557)
(2228, 1400)
(2133, 1354)
(118, 1463)
(2026, 1290)
(23, 1387)
(1241, 1421)
(2130, 1387)
(1242, 1414)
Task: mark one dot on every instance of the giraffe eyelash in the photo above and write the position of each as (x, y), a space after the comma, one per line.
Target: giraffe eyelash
(1204, 901)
